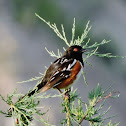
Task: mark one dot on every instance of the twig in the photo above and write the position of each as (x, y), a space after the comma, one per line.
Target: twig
(17, 122)
(108, 96)
(13, 107)
(83, 118)
(68, 113)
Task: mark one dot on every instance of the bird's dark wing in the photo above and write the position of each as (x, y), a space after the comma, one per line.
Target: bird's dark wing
(49, 72)
(59, 70)
(52, 69)
(62, 73)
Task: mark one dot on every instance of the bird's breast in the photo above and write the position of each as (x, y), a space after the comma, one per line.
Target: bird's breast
(75, 74)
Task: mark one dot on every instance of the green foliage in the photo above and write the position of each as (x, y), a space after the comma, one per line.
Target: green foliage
(95, 93)
(26, 107)
(92, 112)
(79, 41)
(76, 110)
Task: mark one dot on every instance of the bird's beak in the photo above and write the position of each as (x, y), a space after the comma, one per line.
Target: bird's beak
(83, 50)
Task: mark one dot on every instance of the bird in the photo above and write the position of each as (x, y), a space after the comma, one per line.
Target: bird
(63, 72)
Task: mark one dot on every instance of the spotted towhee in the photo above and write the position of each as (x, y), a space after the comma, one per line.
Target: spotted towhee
(63, 71)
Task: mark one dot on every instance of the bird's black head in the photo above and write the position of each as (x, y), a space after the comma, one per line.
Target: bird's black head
(75, 51)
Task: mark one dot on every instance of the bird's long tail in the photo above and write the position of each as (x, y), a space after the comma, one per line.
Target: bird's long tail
(37, 89)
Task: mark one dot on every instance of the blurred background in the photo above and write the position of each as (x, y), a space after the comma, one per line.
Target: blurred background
(23, 38)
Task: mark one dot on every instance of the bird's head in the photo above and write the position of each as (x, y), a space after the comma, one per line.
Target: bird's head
(74, 51)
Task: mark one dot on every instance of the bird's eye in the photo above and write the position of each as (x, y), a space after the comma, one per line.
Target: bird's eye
(75, 49)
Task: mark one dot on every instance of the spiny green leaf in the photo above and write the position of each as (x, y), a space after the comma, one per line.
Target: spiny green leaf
(95, 93)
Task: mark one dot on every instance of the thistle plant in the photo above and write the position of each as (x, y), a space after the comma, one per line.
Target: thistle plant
(77, 111)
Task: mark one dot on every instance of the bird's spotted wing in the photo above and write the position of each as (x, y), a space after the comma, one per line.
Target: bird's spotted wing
(62, 73)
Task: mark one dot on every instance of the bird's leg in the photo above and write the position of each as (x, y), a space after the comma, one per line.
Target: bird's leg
(60, 91)
(68, 90)
(67, 94)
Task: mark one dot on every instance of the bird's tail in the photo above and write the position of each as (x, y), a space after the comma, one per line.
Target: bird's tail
(37, 89)
(32, 92)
